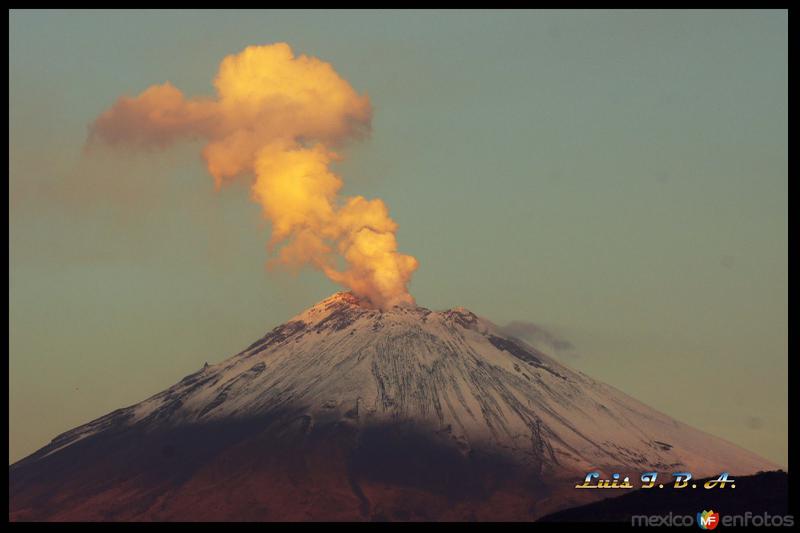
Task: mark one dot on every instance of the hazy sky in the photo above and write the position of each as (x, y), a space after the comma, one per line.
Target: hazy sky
(619, 179)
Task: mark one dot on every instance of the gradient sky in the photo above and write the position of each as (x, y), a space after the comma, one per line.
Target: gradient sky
(620, 179)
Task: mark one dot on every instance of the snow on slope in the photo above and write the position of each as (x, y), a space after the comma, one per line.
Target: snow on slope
(452, 372)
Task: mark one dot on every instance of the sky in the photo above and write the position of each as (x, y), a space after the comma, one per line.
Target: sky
(615, 181)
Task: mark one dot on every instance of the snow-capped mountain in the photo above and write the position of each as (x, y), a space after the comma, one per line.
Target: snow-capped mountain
(348, 412)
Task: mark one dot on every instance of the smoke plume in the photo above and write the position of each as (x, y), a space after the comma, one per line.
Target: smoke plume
(539, 336)
(280, 118)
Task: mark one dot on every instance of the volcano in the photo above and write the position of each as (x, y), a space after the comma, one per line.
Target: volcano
(347, 412)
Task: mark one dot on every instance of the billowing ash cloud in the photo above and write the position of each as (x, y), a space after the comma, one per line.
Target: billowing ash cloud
(279, 117)
(538, 336)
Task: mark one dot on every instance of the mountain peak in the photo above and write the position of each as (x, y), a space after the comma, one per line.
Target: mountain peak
(345, 297)
(350, 299)
(344, 309)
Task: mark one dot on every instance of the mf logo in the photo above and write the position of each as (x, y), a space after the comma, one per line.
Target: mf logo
(707, 519)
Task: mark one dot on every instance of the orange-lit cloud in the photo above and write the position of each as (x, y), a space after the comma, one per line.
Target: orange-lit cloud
(279, 117)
